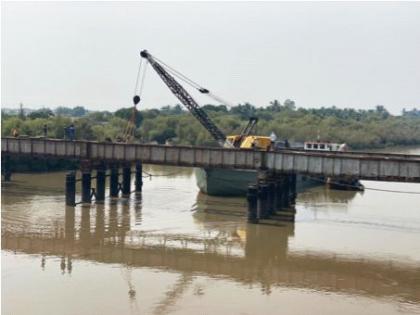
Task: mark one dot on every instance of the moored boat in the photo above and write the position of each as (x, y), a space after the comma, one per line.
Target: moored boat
(340, 183)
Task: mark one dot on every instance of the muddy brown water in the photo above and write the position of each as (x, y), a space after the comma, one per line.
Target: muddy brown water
(172, 250)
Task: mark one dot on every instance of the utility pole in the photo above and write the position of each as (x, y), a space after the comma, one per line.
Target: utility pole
(21, 111)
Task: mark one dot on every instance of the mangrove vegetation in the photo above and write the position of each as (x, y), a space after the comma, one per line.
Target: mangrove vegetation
(370, 128)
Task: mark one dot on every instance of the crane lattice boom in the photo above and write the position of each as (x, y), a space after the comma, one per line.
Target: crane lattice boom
(186, 99)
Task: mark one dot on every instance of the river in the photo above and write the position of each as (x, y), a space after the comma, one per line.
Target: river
(172, 250)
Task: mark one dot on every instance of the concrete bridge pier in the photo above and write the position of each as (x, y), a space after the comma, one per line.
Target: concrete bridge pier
(86, 181)
(139, 176)
(100, 182)
(293, 193)
(126, 183)
(272, 199)
(71, 189)
(252, 198)
(271, 192)
(286, 198)
(262, 212)
(278, 194)
(286, 192)
(7, 171)
(113, 181)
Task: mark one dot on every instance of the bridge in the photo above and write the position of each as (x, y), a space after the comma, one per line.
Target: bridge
(271, 197)
(361, 165)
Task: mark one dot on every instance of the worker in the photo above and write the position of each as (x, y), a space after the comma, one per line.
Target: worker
(15, 132)
(45, 129)
(72, 132)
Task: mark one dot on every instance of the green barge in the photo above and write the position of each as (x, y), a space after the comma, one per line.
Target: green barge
(226, 182)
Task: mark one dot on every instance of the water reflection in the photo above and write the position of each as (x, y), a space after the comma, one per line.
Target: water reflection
(172, 227)
(257, 253)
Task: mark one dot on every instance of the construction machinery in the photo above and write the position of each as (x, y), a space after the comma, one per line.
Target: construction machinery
(168, 74)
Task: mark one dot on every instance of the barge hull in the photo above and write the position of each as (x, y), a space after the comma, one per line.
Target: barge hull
(225, 182)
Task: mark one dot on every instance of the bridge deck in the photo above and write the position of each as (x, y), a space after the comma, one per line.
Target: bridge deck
(370, 166)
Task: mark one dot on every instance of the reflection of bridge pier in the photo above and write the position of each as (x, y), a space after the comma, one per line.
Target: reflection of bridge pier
(267, 243)
(99, 232)
(259, 254)
(85, 235)
(69, 224)
(241, 252)
(118, 225)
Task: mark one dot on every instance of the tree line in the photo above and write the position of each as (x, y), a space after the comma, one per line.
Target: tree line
(371, 128)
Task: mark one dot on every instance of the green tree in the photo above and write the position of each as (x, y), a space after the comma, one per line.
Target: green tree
(41, 113)
(79, 111)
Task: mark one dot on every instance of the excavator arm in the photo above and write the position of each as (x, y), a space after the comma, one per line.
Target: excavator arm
(185, 98)
(249, 127)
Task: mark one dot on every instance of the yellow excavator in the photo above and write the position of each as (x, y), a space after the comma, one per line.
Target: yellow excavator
(243, 141)
(247, 141)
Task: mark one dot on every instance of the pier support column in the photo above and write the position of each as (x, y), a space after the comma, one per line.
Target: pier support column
(278, 192)
(270, 198)
(100, 182)
(71, 189)
(252, 197)
(286, 192)
(113, 181)
(139, 176)
(86, 181)
(293, 193)
(262, 201)
(126, 184)
(7, 171)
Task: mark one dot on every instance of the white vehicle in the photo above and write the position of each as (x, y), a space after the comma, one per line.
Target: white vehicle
(325, 146)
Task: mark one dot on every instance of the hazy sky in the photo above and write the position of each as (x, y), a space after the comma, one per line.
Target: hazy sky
(318, 54)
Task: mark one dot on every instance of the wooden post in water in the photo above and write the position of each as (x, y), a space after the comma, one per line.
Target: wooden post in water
(71, 189)
(126, 184)
(139, 176)
(86, 181)
(100, 182)
(113, 181)
(252, 198)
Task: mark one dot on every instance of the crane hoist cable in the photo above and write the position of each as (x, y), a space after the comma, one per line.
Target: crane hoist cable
(192, 83)
(138, 88)
(138, 77)
(130, 128)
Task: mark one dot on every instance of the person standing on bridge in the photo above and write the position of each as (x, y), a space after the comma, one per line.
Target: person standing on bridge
(45, 130)
(15, 132)
(72, 132)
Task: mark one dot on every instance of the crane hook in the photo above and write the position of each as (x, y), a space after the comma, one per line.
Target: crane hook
(136, 99)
